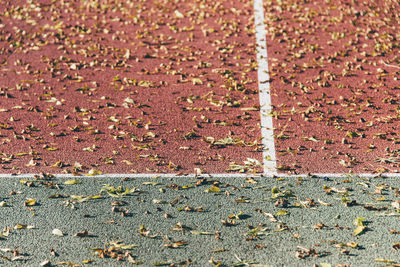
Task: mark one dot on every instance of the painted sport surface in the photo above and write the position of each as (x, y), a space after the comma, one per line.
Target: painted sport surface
(146, 88)
(335, 90)
(128, 87)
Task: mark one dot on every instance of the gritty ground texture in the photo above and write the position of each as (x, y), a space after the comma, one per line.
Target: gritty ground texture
(200, 221)
(127, 86)
(335, 67)
(92, 87)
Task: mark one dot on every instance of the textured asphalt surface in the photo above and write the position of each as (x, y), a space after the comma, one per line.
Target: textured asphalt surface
(179, 221)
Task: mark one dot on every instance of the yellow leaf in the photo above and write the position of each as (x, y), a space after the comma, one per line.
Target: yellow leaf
(359, 221)
(30, 202)
(95, 196)
(282, 212)
(213, 189)
(58, 164)
(352, 244)
(359, 230)
(128, 247)
(127, 162)
(84, 199)
(196, 81)
(68, 182)
(93, 172)
(24, 181)
(23, 226)
(79, 198)
(385, 260)
(88, 261)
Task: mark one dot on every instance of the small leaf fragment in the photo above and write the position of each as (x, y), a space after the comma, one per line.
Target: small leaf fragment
(70, 182)
(159, 201)
(359, 221)
(395, 204)
(176, 244)
(195, 232)
(324, 203)
(93, 172)
(23, 226)
(82, 234)
(45, 263)
(4, 204)
(178, 14)
(88, 261)
(384, 260)
(57, 232)
(360, 226)
(220, 250)
(30, 202)
(165, 263)
(282, 212)
(213, 189)
(348, 244)
(359, 230)
(151, 183)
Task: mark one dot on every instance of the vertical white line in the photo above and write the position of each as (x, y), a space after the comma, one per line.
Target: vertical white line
(269, 159)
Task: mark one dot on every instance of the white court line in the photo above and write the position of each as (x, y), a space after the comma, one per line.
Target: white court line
(269, 159)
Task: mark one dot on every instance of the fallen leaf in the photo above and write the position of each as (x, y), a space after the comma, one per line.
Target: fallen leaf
(57, 232)
(159, 201)
(82, 234)
(69, 182)
(93, 172)
(45, 263)
(151, 183)
(195, 232)
(384, 260)
(178, 14)
(282, 212)
(324, 203)
(395, 204)
(88, 261)
(213, 189)
(30, 202)
(359, 230)
(348, 244)
(176, 244)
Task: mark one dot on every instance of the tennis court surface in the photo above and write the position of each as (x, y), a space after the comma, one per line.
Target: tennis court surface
(238, 132)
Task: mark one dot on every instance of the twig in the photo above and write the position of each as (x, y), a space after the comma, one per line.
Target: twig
(389, 65)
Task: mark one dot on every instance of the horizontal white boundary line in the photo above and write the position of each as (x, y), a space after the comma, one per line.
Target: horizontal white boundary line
(269, 158)
(211, 175)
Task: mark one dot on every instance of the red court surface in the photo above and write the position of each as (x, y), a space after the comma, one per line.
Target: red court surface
(171, 87)
(128, 87)
(335, 67)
